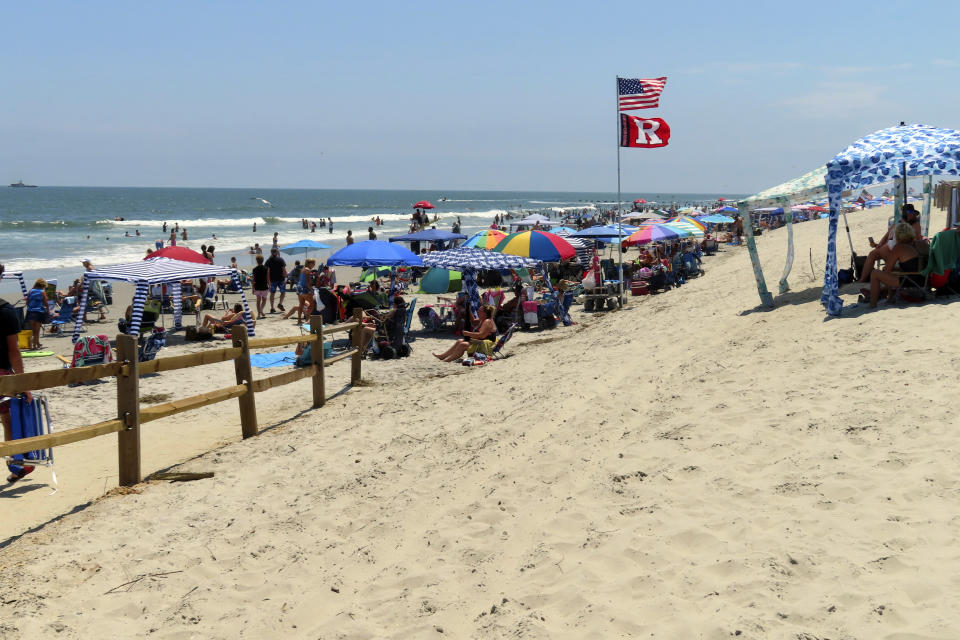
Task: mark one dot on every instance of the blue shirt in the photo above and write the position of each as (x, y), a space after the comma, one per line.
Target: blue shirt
(35, 301)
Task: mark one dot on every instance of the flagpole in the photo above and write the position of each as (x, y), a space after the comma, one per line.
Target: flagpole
(619, 223)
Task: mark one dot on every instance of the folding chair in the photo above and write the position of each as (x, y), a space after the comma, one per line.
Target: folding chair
(64, 316)
(498, 348)
(28, 419)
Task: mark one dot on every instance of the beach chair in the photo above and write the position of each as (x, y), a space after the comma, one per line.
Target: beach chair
(430, 320)
(64, 316)
(28, 419)
(150, 347)
(410, 310)
(497, 353)
(531, 313)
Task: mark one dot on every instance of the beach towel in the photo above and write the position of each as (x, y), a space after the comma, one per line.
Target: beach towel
(270, 360)
(92, 350)
(530, 312)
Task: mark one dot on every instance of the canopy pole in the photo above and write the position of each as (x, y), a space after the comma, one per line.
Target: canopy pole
(927, 197)
(788, 216)
(766, 299)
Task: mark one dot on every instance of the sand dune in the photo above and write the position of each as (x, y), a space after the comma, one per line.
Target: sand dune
(690, 467)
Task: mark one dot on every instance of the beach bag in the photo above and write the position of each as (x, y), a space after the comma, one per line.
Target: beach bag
(530, 312)
(844, 276)
(387, 352)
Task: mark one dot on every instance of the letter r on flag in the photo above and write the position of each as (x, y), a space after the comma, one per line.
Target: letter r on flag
(645, 133)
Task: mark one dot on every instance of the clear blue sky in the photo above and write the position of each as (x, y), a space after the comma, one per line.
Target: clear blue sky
(450, 95)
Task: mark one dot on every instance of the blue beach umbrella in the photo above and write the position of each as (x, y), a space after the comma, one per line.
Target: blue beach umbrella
(716, 218)
(304, 246)
(374, 253)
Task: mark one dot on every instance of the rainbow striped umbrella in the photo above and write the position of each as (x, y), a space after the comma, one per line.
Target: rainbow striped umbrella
(652, 233)
(688, 220)
(486, 239)
(539, 245)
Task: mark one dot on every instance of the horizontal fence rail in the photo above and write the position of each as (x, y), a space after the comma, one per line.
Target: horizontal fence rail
(127, 370)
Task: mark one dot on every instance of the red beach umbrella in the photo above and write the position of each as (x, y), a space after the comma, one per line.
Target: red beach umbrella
(639, 201)
(179, 253)
(423, 204)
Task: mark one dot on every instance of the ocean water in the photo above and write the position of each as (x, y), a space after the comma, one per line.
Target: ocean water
(48, 230)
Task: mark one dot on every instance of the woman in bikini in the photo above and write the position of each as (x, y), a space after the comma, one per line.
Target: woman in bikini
(904, 254)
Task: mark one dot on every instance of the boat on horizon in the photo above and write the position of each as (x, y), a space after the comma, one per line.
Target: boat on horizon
(21, 184)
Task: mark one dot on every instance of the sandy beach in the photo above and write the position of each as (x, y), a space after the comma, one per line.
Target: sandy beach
(692, 466)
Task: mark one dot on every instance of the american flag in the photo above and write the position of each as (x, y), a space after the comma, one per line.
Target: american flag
(640, 93)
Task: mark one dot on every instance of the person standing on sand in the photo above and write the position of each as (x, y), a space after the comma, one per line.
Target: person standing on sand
(11, 362)
(261, 286)
(349, 236)
(371, 234)
(277, 272)
(276, 241)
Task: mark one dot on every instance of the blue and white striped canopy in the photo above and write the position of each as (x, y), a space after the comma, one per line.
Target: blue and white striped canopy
(16, 275)
(467, 258)
(156, 271)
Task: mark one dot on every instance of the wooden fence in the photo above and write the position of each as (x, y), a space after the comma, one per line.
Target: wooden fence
(127, 370)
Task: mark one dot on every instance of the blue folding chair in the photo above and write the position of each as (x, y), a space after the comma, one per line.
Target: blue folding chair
(30, 419)
(64, 316)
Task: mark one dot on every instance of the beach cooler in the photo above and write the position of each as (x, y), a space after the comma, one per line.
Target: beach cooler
(639, 288)
(530, 312)
(23, 339)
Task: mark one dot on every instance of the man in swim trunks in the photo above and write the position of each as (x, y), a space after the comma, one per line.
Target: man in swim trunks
(277, 270)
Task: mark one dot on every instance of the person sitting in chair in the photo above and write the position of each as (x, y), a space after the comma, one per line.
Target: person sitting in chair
(904, 254)
(884, 249)
(227, 320)
(482, 339)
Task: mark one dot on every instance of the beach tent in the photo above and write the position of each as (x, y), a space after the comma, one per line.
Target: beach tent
(896, 152)
(160, 271)
(16, 275)
(429, 235)
(469, 261)
(532, 220)
(809, 186)
(441, 281)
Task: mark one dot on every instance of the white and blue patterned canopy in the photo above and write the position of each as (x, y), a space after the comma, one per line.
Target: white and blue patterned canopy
(467, 258)
(921, 150)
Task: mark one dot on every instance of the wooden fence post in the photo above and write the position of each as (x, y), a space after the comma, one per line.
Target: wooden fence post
(316, 353)
(128, 412)
(248, 406)
(356, 336)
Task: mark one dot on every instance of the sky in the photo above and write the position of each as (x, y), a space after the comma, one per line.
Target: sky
(447, 95)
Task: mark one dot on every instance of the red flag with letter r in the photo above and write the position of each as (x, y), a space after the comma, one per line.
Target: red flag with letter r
(645, 133)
